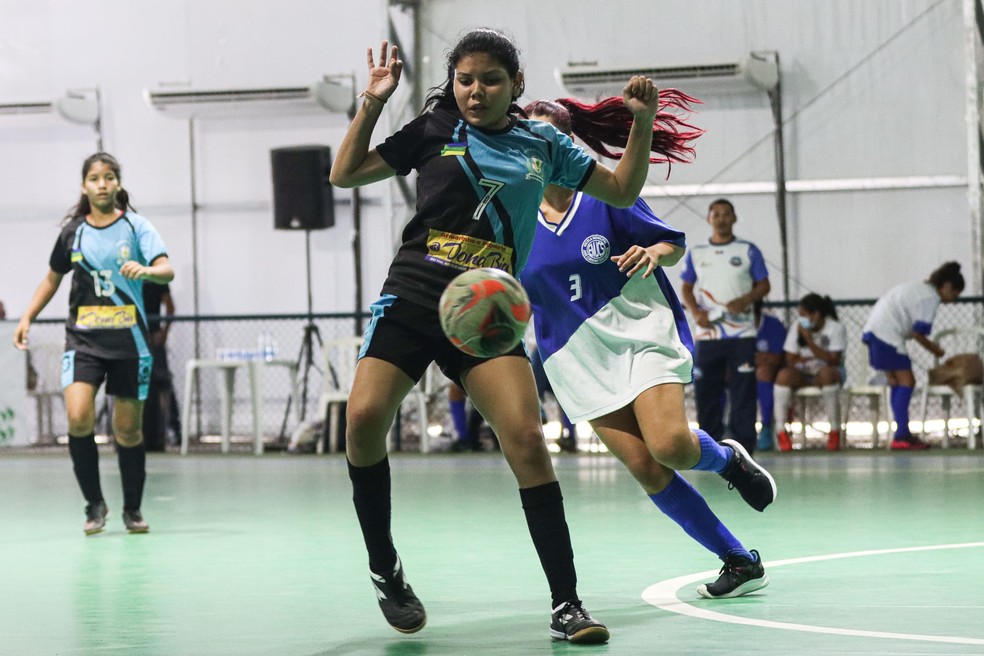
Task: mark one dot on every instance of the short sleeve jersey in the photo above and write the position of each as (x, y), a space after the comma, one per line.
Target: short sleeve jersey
(604, 336)
(832, 337)
(721, 273)
(106, 311)
(570, 276)
(478, 192)
(903, 310)
(771, 335)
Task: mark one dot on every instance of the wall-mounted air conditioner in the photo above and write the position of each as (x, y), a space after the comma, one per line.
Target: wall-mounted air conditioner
(754, 72)
(323, 95)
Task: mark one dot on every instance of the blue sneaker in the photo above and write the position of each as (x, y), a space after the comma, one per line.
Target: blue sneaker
(764, 439)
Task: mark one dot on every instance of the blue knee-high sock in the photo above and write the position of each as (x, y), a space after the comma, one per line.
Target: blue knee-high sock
(459, 418)
(683, 504)
(566, 424)
(714, 457)
(899, 397)
(766, 402)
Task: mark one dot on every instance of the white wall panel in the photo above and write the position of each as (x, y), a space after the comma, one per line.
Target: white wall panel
(872, 89)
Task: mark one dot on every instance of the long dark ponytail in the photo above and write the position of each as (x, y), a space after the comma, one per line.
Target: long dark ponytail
(82, 208)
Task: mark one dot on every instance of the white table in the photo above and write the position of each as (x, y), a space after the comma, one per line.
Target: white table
(227, 393)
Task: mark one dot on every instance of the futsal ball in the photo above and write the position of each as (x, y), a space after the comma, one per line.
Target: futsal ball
(484, 312)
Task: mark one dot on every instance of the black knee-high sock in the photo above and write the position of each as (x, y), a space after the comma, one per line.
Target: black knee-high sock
(133, 472)
(371, 495)
(85, 462)
(544, 508)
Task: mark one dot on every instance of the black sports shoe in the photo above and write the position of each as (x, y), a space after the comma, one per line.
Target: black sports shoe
(134, 522)
(399, 604)
(95, 518)
(572, 623)
(755, 485)
(739, 576)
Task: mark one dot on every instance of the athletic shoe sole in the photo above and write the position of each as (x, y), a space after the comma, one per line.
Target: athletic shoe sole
(743, 589)
(593, 635)
(748, 459)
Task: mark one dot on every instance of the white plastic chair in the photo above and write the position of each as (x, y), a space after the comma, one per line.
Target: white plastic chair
(46, 361)
(964, 339)
(878, 405)
(339, 358)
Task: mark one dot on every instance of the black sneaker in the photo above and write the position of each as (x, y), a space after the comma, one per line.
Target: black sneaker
(95, 517)
(572, 623)
(399, 604)
(755, 485)
(739, 576)
(134, 522)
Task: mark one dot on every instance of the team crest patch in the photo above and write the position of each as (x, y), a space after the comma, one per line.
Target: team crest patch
(596, 249)
(123, 252)
(454, 150)
(534, 169)
(76, 255)
(735, 261)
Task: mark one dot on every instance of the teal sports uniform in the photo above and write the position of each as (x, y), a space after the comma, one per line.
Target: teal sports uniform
(107, 320)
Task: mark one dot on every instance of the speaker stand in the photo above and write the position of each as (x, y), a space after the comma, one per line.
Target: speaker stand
(305, 356)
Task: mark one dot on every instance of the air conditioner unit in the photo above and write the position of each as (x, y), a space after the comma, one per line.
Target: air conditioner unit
(218, 103)
(753, 73)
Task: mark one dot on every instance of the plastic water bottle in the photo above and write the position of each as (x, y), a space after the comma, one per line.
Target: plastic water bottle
(268, 347)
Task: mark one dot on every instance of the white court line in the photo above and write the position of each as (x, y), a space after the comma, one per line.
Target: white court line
(663, 595)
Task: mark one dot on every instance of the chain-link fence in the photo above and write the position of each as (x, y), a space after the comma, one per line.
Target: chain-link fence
(286, 337)
(297, 339)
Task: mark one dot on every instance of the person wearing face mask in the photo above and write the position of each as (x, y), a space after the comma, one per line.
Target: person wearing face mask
(906, 312)
(814, 356)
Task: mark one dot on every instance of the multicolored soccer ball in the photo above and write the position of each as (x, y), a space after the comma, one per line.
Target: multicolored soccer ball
(484, 312)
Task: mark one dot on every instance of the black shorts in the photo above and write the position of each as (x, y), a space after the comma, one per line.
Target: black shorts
(410, 337)
(128, 378)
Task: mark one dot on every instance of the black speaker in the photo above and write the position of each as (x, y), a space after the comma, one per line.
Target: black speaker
(302, 195)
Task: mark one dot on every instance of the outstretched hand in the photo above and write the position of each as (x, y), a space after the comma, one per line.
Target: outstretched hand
(384, 77)
(637, 258)
(641, 97)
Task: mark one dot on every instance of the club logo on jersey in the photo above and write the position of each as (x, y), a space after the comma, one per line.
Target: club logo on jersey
(464, 252)
(534, 169)
(123, 252)
(454, 149)
(76, 255)
(735, 261)
(596, 249)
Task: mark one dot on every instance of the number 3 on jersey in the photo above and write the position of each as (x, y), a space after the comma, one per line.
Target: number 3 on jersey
(102, 282)
(575, 286)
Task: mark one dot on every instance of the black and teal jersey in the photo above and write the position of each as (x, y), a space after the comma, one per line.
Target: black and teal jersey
(478, 192)
(106, 315)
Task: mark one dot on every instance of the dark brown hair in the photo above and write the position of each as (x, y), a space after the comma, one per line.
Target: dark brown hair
(82, 208)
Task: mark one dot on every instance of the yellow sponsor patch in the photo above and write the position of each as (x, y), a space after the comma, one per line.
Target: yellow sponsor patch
(107, 316)
(464, 252)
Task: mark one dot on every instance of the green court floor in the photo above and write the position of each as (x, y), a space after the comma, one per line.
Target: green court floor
(867, 553)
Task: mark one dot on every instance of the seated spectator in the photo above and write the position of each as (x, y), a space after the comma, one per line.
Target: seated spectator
(769, 358)
(814, 356)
